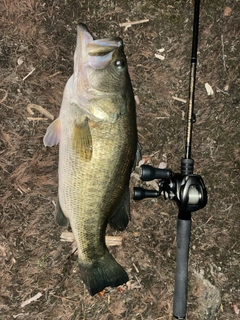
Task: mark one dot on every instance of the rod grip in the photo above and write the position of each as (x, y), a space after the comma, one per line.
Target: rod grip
(181, 277)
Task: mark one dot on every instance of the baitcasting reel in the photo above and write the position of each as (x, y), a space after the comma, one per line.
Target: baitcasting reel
(186, 189)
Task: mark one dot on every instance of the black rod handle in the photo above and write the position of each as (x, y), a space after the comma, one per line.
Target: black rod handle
(181, 277)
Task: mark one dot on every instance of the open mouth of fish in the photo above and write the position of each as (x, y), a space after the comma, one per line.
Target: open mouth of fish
(97, 53)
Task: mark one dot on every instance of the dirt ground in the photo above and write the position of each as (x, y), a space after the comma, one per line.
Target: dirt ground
(36, 59)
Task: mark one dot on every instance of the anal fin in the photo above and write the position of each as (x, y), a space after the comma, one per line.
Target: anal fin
(120, 218)
(60, 217)
(138, 156)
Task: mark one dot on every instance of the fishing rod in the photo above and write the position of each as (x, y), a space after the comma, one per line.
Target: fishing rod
(186, 189)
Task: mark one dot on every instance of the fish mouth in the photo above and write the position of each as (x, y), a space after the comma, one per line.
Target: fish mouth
(96, 47)
(87, 47)
(102, 47)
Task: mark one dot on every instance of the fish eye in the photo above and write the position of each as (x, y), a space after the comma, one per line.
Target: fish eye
(120, 64)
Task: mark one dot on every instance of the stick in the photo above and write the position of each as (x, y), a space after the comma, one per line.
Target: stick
(36, 119)
(43, 111)
(33, 69)
(34, 298)
(55, 74)
(110, 240)
(113, 240)
(5, 95)
(179, 99)
(223, 53)
(128, 24)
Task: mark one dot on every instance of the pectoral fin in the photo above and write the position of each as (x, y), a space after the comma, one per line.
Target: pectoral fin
(82, 140)
(53, 134)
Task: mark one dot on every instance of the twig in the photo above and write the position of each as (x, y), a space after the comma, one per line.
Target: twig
(43, 111)
(138, 281)
(179, 99)
(55, 74)
(223, 53)
(110, 240)
(63, 298)
(33, 69)
(128, 24)
(224, 92)
(34, 298)
(113, 240)
(5, 95)
(20, 315)
(135, 267)
(36, 119)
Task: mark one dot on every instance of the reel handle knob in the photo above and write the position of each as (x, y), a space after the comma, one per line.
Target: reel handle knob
(148, 173)
(140, 193)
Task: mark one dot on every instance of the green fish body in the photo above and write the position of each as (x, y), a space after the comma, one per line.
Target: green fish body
(97, 135)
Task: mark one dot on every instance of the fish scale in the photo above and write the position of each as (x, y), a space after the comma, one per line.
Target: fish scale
(104, 160)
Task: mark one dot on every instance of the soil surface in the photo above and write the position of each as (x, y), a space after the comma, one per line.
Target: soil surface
(37, 43)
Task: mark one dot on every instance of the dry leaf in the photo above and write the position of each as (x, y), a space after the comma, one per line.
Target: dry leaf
(161, 50)
(162, 165)
(101, 293)
(159, 56)
(137, 100)
(236, 309)
(20, 60)
(227, 12)
(144, 160)
(67, 236)
(153, 184)
(209, 89)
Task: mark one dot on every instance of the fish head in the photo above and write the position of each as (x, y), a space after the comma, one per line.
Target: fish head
(107, 66)
(100, 69)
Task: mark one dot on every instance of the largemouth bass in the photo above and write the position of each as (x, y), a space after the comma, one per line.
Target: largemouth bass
(97, 135)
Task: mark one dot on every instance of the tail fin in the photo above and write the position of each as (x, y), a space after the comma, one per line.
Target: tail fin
(102, 273)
